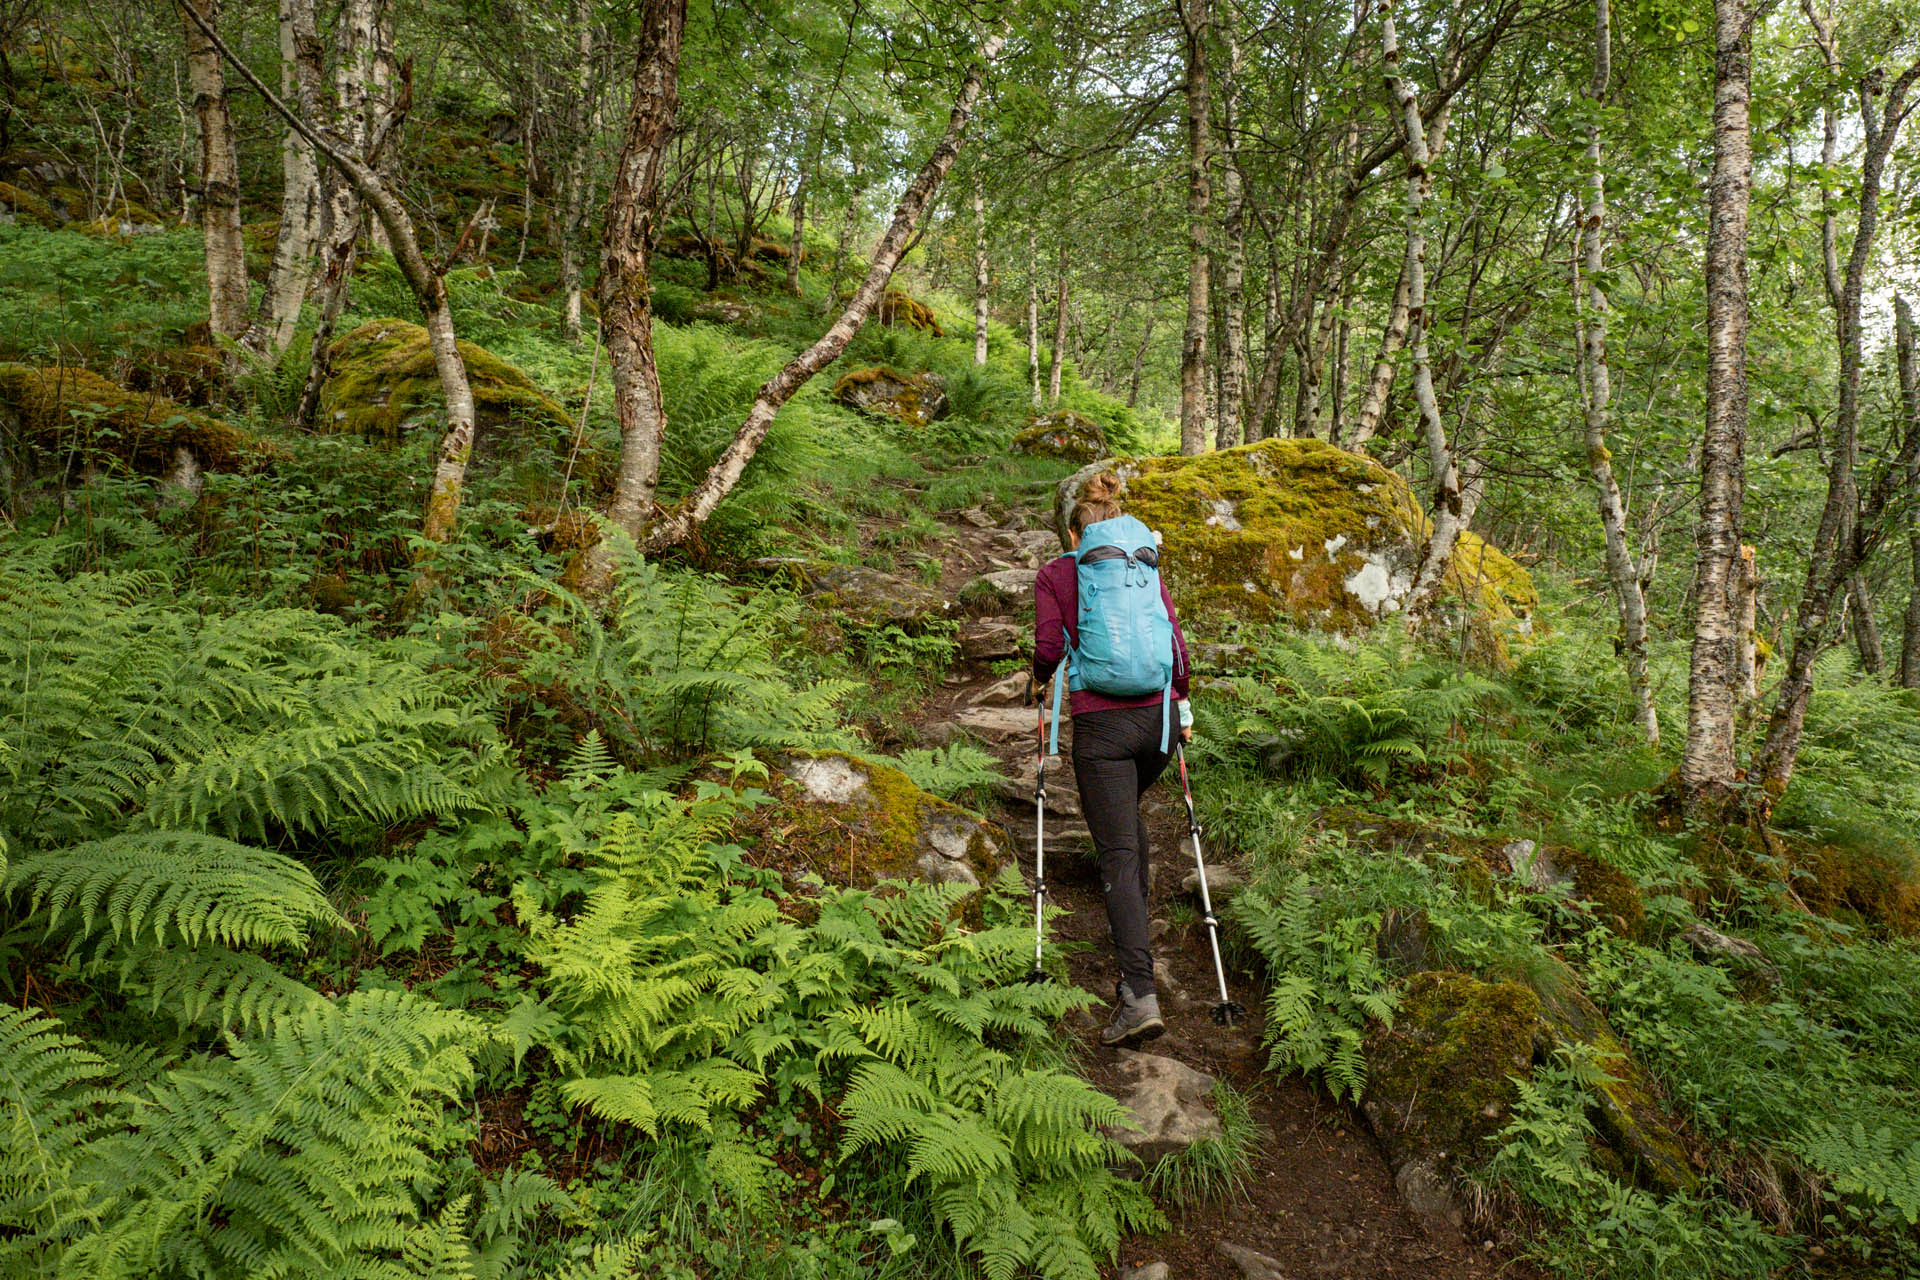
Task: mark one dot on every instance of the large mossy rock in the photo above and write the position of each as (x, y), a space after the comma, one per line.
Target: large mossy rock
(86, 420)
(384, 385)
(1440, 1082)
(898, 310)
(1064, 434)
(1301, 530)
(854, 821)
(913, 398)
(20, 205)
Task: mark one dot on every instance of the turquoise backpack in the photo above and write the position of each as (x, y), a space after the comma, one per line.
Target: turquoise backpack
(1126, 636)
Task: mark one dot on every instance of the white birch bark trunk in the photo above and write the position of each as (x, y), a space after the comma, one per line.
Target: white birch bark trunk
(219, 173)
(1196, 17)
(1452, 508)
(982, 277)
(1059, 359)
(1598, 383)
(1033, 323)
(1231, 430)
(583, 118)
(726, 472)
(1706, 773)
(1746, 613)
(301, 197)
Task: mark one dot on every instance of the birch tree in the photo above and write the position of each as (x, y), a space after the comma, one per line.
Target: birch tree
(291, 275)
(1597, 394)
(1197, 22)
(1059, 359)
(1706, 773)
(218, 172)
(725, 473)
(1233, 254)
(1909, 366)
(982, 277)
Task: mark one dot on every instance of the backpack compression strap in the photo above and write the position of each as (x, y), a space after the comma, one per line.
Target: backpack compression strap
(1060, 679)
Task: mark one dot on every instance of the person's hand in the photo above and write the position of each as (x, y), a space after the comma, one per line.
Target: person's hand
(1186, 734)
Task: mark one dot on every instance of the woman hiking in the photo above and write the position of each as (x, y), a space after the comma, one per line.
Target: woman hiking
(1126, 679)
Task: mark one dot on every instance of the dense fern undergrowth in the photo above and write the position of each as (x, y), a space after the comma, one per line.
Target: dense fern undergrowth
(342, 942)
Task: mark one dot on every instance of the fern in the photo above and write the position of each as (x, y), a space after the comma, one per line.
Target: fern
(300, 1153)
(56, 1099)
(174, 885)
(950, 771)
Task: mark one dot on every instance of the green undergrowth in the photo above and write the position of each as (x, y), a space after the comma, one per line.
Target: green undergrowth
(1373, 791)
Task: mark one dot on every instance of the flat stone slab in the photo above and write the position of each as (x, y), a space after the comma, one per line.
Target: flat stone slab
(1168, 1100)
(991, 639)
(1222, 882)
(1151, 1271)
(1010, 588)
(1008, 692)
(1253, 1265)
(997, 724)
(868, 597)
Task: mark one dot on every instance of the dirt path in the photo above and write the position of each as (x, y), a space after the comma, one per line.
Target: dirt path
(1321, 1199)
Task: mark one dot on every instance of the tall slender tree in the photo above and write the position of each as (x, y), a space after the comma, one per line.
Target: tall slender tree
(1196, 19)
(218, 172)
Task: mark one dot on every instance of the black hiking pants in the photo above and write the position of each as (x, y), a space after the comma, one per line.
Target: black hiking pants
(1116, 757)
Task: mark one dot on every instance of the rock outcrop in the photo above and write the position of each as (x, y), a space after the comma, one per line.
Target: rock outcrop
(384, 385)
(850, 820)
(915, 399)
(1298, 529)
(1063, 434)
(898, 310)
(1168, 1101)
(853, 593)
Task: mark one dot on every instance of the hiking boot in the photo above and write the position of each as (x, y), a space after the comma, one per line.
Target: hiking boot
(1135, 1018)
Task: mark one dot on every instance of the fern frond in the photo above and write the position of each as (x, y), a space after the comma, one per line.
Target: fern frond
(56, 1099)
(177, 884)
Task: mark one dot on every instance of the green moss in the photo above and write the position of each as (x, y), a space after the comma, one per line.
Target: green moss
(1064, 434)
(915, 399)
(1282, 527)
(384, 380)
(1616, 898)
(898, 310)
(1440, 1082)
(1876, 884)
(28, 206)
(82, 415)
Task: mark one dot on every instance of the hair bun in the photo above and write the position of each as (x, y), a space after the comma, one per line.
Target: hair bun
(1103, 486)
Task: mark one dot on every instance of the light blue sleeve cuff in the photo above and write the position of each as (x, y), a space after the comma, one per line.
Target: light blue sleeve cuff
(1186, 714)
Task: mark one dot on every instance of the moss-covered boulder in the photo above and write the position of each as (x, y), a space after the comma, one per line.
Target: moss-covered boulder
(17, 205)
(193, 374)
(384, 385)
(1616, 899)
(127, 218)
(1440, 1082)
(1875, 884)
(913, 398)
(1064, 434)
(1298, 529)
(852, 594)
(1639, 1140)
(898, 310)
(83, 420)
(854, 821)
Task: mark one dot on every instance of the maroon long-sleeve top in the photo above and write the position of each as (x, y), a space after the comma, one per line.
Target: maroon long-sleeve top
(1056, 605)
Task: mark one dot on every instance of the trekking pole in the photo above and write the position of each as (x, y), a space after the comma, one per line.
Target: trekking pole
(1039, 833)
(1227, 1012)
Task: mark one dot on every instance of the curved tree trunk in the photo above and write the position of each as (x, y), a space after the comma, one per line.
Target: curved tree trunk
(1452, 503)
(726, 472)
(626, 249)
(1597, 379)
(219, 173)
(1196, 17)
(291, 275)
(1706, 773)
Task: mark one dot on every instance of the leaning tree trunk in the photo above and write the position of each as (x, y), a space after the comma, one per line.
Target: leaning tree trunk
(1866, 624)
(1230, 429)
(1848, 530)
(726, 472)
(219, 173)
(982, 277)
(1706, 774)
(291, 275)
(1196, 16)
(351, 122)
(1904, 343)
(1059, 360)
(429, 290)
(1598, 381)
(1452, 507)
(626, 248)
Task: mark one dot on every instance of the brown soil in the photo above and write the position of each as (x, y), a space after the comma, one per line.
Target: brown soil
(1321, 1198)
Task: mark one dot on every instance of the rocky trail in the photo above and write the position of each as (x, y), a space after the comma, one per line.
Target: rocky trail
(1321, 1199)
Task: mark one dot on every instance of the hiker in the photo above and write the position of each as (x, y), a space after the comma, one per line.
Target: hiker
(1122, 738)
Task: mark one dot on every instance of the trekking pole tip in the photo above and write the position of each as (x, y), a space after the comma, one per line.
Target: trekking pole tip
(1229, 1013)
